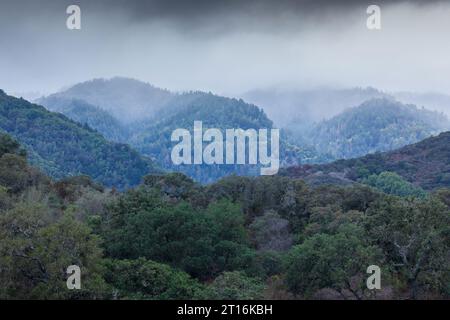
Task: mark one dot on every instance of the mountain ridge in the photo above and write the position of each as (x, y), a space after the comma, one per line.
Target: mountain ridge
(63, 147)
(425, 164)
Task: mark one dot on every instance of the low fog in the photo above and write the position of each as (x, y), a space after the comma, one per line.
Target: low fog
(227, 47)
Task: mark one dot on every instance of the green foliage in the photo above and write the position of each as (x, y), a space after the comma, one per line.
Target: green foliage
(415, 235)
(239, 238)
(9, 145)
(146, 279)
(183, 111)
(392, 183)
(130, 111)
(425, 164)
(331, 261)
(235, 286)
(36, 251)
(201, 241)
(62, 147)
(376, 125)
(85, 113)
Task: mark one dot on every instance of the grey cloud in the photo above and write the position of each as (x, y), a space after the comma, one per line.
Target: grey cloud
(225, 46)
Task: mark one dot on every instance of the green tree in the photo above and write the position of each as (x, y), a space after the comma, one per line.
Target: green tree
(331, 261)
(415, 235)
(146, 279)
(392, 183)
(203, 242)
(235, 286)
(36, 251)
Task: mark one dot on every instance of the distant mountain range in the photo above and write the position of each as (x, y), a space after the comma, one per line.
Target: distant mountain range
(62, 147)
(355, 121)
(288, 107)
(150, 133)
(294, 108)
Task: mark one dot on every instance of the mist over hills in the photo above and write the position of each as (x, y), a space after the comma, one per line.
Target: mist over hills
(149, 133)
(86, 113)
(431, 100)
(88, 183)
(289, 107)
(265, 227)
(375, 125)
(126, 99)
(214, 112)
(319, 125)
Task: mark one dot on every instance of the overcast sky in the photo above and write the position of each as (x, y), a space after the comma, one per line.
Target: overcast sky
(227, 47)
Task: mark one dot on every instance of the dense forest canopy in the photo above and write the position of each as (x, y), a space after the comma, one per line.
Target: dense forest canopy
(239, 238)
(309, 232)
(62, 147)
(424, 164)
(151, 134)
(375, 125)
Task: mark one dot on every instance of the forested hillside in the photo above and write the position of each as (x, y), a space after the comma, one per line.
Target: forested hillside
(62, 147)
(290, 108)
(126, 99)
(375, 125)
(425, 164)
(214, 112)
(150, 133)
(130, 111)
(85, 113)
(240, 238)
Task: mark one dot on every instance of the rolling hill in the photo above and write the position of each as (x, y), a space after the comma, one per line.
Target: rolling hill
(85, 113)
(425, 164)
(215, 112)
(378, 124)
(149, 133)
(375, 125)
(289, 108)
(62, 147)
(126, 99)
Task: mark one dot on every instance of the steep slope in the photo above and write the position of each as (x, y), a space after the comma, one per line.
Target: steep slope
(149, 130)
(214, 112)
(425, 164)
(85, 113)
(126, 99)
(63, 147)
(375, 125)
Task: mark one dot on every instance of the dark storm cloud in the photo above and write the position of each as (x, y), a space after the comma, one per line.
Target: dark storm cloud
(225, 46)
(194, 10)
(182, 10)
(219, 16)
